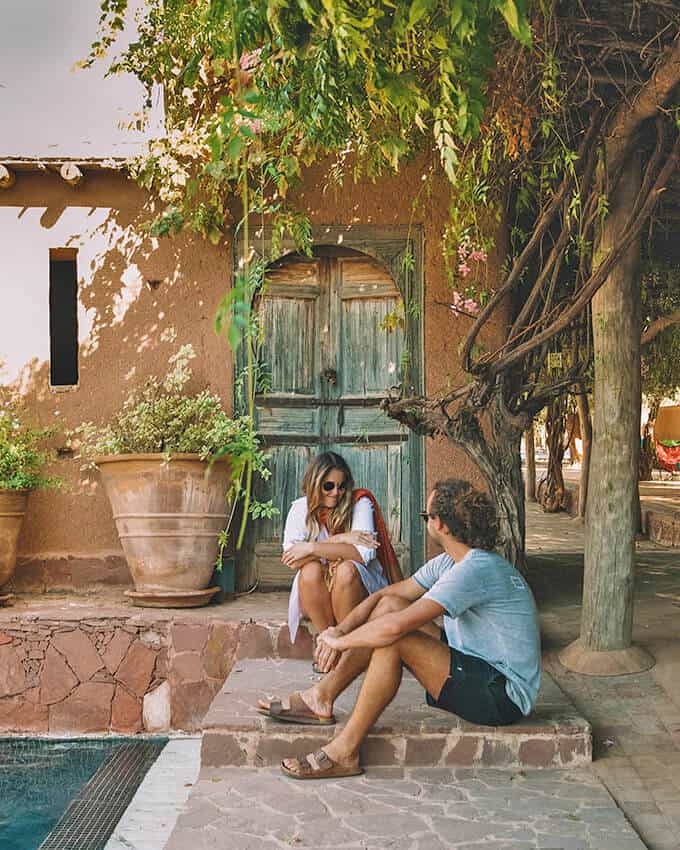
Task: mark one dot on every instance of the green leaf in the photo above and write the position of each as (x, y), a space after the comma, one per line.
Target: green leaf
(418, 10)
(439, 41)
(456, 13)
(234, 147)
(516, 20)
(233, 337)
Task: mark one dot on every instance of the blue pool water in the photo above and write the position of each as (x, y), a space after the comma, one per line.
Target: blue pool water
(38, 779)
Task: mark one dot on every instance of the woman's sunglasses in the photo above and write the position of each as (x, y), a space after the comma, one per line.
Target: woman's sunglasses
(425, 516)
(329, 486)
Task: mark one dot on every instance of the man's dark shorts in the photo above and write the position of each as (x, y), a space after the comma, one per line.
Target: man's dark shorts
(476, 692)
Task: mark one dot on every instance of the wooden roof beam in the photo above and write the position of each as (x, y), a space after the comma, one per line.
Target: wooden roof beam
(70, 172)
(7, 177)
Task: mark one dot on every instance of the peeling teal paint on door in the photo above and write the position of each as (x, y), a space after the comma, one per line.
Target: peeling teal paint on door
(330, 364)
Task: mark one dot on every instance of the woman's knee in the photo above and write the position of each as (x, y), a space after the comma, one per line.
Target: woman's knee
(311, 575)
(347, 575)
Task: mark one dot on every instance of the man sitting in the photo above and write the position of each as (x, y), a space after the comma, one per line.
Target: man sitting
(484, 665)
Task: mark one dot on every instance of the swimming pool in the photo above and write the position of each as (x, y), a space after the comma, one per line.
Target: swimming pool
(68, 794)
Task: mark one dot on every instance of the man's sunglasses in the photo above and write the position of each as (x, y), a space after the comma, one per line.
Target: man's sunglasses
(425, 515)
(329, 486)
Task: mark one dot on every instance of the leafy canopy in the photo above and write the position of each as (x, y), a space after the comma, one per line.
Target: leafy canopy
(261, 88)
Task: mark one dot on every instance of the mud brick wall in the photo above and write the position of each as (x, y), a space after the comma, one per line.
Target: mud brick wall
(118, 675)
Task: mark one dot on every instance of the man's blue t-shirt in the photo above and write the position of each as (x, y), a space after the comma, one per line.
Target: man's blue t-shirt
(490, 614)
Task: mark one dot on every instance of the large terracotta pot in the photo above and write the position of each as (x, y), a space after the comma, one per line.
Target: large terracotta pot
(12, 511)
(168, 515)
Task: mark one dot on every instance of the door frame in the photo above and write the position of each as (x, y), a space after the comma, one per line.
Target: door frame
(388, 245)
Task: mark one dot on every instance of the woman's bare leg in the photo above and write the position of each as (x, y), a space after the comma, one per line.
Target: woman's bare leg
(348, 590)
(314, 596)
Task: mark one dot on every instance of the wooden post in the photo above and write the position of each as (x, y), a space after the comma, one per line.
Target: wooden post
(7, 177)
(605, 644)
(530, 454)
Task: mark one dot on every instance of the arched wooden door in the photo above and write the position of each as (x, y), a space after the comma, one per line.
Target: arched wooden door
(329, 365)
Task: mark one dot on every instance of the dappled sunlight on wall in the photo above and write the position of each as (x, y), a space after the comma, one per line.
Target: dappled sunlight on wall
(139, 299)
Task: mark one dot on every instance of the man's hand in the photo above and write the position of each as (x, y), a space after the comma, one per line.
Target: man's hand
(297, 553)
(327, 650)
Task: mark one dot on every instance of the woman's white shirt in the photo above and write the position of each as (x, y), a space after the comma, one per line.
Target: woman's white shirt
(369, 568)
(296, 530)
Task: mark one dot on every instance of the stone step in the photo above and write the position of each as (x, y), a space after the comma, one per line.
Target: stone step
(408, 733)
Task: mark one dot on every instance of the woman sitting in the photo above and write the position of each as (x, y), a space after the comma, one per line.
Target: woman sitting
(336, 540)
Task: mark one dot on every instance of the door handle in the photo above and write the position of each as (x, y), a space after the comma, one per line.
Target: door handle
(330, 376)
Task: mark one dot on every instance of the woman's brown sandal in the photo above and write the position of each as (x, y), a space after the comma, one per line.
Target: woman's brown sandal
(297, 711)
(318, 765)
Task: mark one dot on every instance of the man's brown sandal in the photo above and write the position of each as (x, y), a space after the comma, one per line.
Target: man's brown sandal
(297, 711)
(318, 765)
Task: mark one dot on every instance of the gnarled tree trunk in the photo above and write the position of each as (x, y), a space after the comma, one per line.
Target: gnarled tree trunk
(501, 466)
(551, 489)
(530, 455)
(647, 446)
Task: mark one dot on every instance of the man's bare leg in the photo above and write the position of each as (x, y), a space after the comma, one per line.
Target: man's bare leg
(322, 695)
(429, 661)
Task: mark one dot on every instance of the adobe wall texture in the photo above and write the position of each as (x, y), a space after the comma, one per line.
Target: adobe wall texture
(69, 539)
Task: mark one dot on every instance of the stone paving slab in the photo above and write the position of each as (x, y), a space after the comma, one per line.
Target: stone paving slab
(151, 816)
(412, 809)
(408, 733)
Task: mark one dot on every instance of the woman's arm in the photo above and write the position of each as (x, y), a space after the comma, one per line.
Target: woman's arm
(356, 545)
(349, 547)
(300, 554)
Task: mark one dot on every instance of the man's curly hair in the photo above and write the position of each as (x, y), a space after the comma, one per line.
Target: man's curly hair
(469, 514)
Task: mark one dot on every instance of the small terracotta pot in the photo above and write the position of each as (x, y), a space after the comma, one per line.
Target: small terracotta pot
(168, 515)
(13, 504)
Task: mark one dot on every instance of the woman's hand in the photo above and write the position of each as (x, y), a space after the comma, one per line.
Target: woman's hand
(357, 538)
(294, 556)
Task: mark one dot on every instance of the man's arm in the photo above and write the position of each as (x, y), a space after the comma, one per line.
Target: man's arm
(408, 589)
(385, 630)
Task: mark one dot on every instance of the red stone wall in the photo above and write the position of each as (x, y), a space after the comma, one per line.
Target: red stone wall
(117, 675)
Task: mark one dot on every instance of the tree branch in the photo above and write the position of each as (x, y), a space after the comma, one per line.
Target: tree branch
(541, 227)
(659, 325)
(652, 94)
(420, 415)
(599, 276)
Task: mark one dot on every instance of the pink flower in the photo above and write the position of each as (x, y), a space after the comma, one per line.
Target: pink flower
(471, 306)
(250, 60)
(478, 255)
(464, 269)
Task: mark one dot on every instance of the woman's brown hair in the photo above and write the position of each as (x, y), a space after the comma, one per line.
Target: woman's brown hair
(339, 519)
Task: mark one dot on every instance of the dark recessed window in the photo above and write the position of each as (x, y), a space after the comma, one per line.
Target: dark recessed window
(63, 317)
